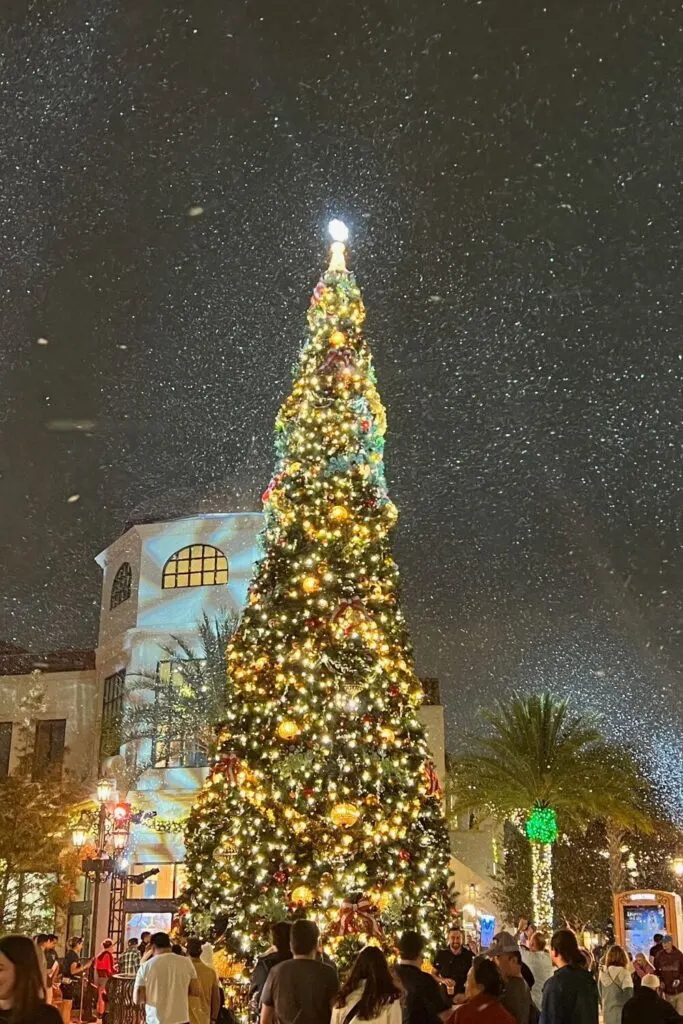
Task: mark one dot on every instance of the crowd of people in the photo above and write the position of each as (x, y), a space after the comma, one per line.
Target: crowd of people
(521, 978)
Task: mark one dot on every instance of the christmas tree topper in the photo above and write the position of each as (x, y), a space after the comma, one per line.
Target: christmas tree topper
(339, 234)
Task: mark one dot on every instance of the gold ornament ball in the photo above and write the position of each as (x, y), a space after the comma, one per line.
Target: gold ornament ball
(372, 800)
(302, 894)
(327, 879)
(339, 513)
(288, 730)
(310, 584)
(344, 815)
(337, 339)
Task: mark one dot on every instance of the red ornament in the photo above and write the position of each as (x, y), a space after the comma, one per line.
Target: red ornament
(307, 791)
(394, 691)
(365, 425)
(280, 877)
(404, 855)
(313, 622)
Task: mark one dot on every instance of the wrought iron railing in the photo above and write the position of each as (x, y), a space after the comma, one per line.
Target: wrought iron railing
(120, 1006)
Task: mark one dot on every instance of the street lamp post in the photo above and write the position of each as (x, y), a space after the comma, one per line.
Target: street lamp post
(113, 829)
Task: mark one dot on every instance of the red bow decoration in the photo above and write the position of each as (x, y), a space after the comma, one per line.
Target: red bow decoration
(231, 767)
(358, 918)
(339, 360)
(356, 606)
(275, 482)
(432, 780)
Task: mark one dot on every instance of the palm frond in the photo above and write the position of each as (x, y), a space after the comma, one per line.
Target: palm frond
(537, 752)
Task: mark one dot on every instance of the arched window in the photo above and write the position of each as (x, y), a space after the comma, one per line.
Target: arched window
(197, 566)
(120, 590)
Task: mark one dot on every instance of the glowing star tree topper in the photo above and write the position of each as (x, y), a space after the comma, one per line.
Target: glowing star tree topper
(324, 799)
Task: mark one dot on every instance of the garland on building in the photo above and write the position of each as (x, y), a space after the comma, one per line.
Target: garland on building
(323, 800)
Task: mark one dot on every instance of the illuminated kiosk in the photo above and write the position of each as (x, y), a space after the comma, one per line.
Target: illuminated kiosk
(641, 914)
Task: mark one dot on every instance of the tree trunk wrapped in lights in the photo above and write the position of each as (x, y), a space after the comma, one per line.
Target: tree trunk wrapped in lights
(541, 830)
(536, 758)
(323, 799)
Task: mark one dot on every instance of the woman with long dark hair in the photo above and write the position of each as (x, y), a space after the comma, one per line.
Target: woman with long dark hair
(22, 990)
(370, 993)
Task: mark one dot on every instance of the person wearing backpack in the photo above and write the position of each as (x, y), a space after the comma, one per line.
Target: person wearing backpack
(371, 993)
(615, 983)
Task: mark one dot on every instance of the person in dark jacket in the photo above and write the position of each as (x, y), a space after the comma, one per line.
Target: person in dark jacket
(571, 995)
(669, 970)
(646, 1005)
(279, 951)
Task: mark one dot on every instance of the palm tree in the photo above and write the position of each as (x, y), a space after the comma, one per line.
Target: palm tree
(537, 760)
(179, 707)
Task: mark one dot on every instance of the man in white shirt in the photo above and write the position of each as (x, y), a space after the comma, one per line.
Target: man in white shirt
(164, 983)
(537, 959)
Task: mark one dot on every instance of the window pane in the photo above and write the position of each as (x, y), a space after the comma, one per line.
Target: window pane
(209, 578)
(196, 579)
(182, 581)
(48, 749)
(183, 565)
(156, 887)
(121, 586)
(197, 550)
(221, 577)
(169, 582)
(112, 714)
(222, 562)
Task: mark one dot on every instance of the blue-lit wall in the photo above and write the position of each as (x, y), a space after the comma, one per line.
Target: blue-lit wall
(133, 637)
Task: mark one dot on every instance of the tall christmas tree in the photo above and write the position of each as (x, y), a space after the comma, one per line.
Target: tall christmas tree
(324, 798)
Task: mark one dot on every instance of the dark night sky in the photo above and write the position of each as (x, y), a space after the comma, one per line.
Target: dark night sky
(511, 175)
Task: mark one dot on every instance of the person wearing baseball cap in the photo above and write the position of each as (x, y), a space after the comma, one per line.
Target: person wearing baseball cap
(647, 1005)
(504, 951)
(669, 970)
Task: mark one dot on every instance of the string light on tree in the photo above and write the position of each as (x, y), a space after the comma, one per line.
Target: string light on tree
(320, 788)
(541, 830)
